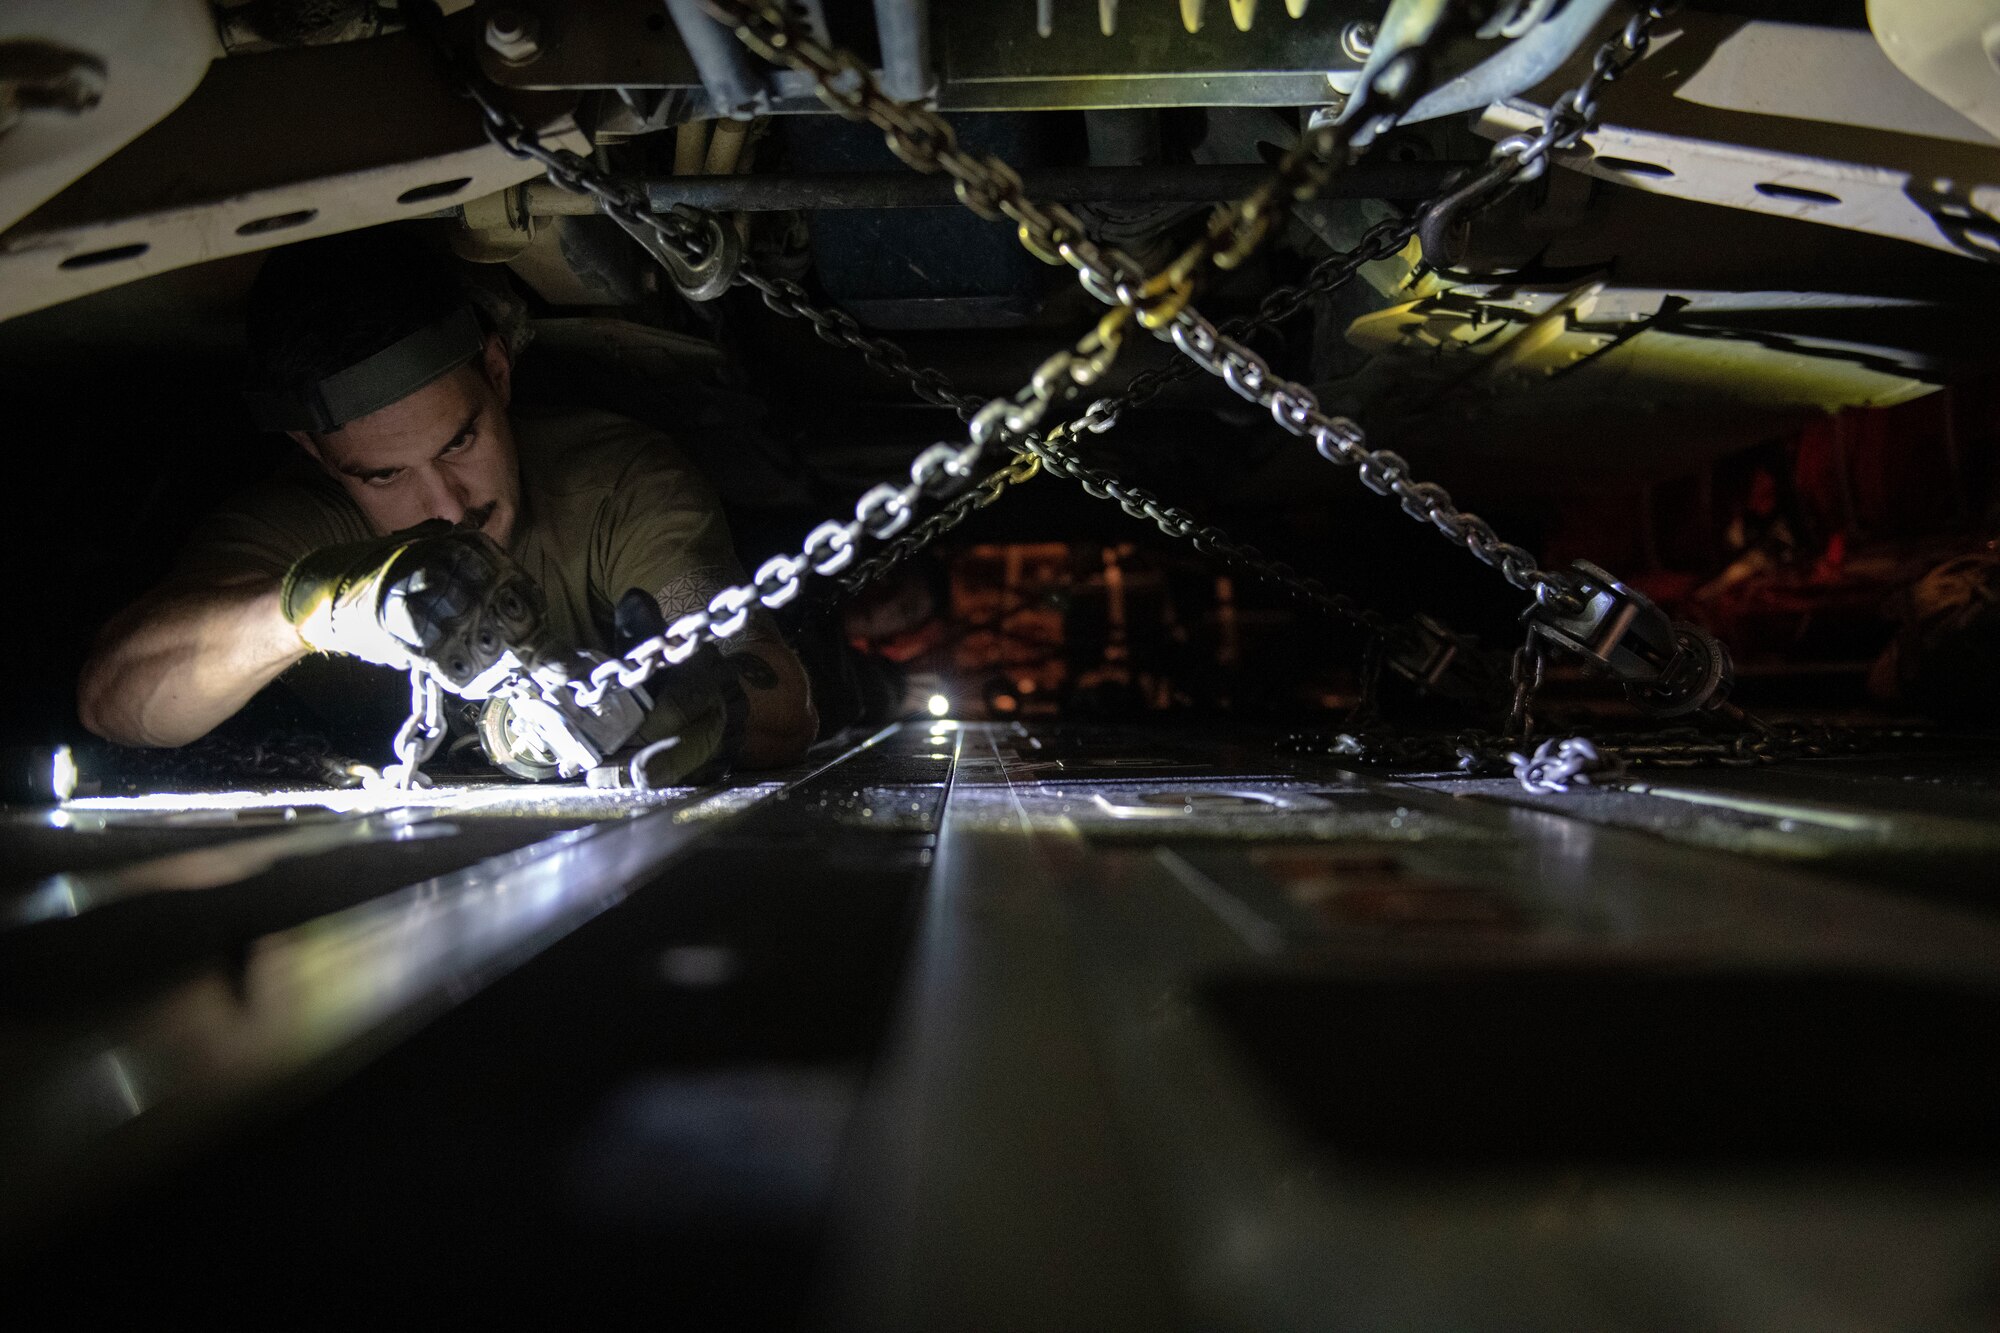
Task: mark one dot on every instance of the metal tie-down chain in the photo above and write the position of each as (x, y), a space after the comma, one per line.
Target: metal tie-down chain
(1521, 158)
(993, 189)
(1206, 538)
(421, 733)
(1379, 242)
(885, 510)
(1161, 302)
(983, 496)
(828, 549)
(1516, 160)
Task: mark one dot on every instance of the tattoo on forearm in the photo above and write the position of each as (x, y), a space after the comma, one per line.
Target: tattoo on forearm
(688, 591)
(691, 591)
(753, 670)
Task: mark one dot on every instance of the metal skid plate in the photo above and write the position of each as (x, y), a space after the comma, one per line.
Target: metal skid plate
(1792, 121)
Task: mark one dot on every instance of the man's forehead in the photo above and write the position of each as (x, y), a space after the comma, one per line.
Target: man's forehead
(410, 429)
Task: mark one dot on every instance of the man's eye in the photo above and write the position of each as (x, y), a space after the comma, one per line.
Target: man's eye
(382, 478)
(459, 446)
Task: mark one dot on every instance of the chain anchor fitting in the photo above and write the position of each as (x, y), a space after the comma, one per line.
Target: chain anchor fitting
(1668, 668)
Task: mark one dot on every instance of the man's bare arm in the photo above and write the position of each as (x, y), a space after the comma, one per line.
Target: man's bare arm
(182, 659)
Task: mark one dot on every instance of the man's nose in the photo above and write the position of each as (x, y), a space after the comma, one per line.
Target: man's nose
(442, 498)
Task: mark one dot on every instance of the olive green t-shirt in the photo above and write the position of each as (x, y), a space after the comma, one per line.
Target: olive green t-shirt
(607, 505)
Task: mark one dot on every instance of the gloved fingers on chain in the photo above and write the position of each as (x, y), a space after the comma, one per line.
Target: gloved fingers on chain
(463, 605)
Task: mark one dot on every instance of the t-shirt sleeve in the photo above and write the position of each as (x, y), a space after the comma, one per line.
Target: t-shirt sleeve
(269, 526)
(664, 532)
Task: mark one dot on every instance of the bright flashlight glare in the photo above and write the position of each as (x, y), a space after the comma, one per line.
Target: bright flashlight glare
(62, 775)
(939, 705)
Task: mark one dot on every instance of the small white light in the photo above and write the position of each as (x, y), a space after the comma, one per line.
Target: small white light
(62, 774)
(939, 705)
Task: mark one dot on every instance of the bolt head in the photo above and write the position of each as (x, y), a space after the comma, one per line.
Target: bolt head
(1357, 39)
(514, 34)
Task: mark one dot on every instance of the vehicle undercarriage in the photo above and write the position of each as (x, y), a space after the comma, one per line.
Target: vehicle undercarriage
(1401, 600)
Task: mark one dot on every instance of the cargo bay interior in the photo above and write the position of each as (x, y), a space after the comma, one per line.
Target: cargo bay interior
(1399, 602)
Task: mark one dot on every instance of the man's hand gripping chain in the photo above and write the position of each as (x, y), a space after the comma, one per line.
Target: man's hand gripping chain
(453, 609)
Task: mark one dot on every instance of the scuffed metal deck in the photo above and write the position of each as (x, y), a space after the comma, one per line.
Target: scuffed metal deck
(1010, 1027)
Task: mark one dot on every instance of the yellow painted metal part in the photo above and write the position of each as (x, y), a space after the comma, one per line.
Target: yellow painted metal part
(1594, 341)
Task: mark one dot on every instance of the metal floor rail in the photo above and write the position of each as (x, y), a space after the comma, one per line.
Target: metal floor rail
(1019, 1027)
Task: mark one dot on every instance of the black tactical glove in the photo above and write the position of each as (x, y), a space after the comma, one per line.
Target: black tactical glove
(436, 595)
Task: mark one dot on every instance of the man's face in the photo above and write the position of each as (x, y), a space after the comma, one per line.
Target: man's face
(446, 451)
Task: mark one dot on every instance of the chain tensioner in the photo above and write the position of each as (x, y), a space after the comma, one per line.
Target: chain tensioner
(1669, 669)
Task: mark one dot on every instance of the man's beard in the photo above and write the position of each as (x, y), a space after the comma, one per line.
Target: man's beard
(477, 519)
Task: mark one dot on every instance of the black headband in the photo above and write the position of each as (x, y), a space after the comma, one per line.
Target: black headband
(392, 374)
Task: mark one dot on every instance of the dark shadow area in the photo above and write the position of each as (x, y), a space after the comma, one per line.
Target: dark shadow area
(1458, 1068)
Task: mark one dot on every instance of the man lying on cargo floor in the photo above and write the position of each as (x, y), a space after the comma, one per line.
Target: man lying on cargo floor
(418, 505)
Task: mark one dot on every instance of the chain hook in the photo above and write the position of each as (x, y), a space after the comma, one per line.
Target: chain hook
(1526, 677)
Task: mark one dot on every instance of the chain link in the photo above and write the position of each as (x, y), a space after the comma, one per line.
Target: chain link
(1559, 765)
(1525, 677)
(839, 328)
(828, 550)
(1520, 158)
(421, 733)
(983, 496)
(1206, 538)
(684, 232)
(1379, 242)
(1574, 113)
(1045, 453)
(1339, 440)
(1385, 239)
(692, 236)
